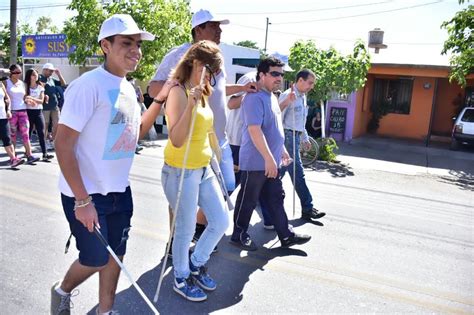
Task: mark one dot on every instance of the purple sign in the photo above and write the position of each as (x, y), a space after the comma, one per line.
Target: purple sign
(45, 46)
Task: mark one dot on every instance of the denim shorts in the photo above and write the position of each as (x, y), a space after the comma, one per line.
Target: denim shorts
(115, 212)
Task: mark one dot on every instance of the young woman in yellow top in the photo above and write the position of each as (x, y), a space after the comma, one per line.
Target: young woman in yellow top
(200, 186)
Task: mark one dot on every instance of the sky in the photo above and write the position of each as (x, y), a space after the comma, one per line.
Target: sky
(411, 27)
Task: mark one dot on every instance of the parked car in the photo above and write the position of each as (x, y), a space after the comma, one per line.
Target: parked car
(463, 129)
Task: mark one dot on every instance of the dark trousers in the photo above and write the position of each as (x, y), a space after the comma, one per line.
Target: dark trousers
(254, 186)
(235, 156)
(36, 118)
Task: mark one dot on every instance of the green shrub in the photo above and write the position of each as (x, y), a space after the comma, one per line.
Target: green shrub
(327, 146)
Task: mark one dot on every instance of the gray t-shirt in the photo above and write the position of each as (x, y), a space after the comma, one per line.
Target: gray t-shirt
(261, 109)
(217, 100)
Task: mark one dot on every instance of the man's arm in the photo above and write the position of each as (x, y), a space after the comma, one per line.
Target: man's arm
(290, 98)
(65, 141)
(232, 89)
(155, 87)
(258, 139)
(149, 116)
(235, 102)
(60, 77)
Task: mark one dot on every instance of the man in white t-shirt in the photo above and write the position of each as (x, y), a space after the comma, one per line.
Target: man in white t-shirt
(206, 27)
(95, 145)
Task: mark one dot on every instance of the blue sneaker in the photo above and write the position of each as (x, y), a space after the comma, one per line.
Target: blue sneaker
(202, 277)
(188, 289)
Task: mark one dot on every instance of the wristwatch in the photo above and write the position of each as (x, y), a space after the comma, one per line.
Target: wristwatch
(159, 101)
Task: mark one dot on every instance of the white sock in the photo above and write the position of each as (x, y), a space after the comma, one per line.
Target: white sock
(60, 291)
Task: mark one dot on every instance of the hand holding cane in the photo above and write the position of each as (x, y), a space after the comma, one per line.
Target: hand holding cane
(122, 267)
(180, 187)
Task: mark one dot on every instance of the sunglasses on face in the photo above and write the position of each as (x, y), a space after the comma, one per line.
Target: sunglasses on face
(15, 72)
(212, 81)
(275, 74)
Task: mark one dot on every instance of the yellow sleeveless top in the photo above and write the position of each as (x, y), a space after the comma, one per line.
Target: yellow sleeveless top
(200, 151)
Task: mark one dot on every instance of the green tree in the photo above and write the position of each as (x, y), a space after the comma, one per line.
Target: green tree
(169, 20)
(336, 72)
(248, 44)
(460, 44)
(22, 29)
(45, 25)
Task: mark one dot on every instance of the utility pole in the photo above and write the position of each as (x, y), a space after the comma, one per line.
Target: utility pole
(266, 36)
(13, 41)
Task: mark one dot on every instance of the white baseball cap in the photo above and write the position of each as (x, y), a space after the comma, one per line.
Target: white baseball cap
(48, 66)
(122, 24)
(203, 16)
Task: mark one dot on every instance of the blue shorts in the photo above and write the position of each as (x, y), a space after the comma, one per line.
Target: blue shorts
(115, 212)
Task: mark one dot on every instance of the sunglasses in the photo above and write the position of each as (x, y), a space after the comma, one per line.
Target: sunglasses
(15, 72)
(212, 81)
(276, 74)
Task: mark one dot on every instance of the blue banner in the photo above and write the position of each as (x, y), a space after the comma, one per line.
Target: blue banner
(45, 46)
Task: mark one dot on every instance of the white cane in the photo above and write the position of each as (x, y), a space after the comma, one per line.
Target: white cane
(178, 197)
(220, 179)
(294, 159)
(122, 267)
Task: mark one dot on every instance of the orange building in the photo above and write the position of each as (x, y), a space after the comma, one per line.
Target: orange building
(419, 100)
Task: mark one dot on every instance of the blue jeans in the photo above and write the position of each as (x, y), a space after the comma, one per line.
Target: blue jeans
(227, 166)
(200, 188)
(300, 182)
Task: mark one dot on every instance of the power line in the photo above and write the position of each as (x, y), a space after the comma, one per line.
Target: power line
(305, 11)
(363, 14)
(334, 39)
(37, 7)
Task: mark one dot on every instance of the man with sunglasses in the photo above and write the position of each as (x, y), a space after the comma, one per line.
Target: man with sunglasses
(206, 27)
(294, 112)
(262, 153)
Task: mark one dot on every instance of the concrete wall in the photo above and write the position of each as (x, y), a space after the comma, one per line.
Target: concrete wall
(447, 104)
(416, 124)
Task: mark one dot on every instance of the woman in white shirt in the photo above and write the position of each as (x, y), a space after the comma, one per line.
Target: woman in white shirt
(19, 121)
(34, 103)
(5, 114)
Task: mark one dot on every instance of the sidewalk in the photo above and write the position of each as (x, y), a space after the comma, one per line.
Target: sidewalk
(406, 157)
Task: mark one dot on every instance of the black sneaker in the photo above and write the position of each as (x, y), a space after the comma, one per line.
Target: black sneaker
(295, 239)
(47, 157)
(312, 214)
(246, 244)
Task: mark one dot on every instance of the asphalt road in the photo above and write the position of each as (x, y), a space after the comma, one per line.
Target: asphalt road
(397, 238)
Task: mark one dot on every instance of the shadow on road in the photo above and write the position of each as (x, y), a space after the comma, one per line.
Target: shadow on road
(228, 268)
(335, 169)
(465, 181)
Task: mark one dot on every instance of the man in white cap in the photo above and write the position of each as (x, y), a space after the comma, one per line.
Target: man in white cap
(95, 145)
(206, 26)
(53, 90)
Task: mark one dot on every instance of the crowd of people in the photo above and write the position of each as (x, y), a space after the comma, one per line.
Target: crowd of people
(211, 149)
(27, 106)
